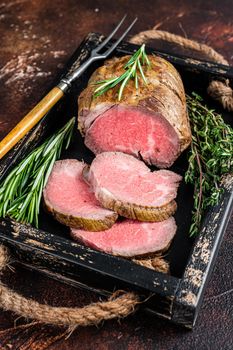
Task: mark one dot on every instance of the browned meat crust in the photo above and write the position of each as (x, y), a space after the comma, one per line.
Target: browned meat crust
(164, 93)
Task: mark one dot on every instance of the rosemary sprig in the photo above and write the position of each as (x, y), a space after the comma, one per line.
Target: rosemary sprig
(21, 191)
(133, 68)
(210, 156)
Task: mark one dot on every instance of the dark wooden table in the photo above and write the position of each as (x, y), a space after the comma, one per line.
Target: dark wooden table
(37, 37)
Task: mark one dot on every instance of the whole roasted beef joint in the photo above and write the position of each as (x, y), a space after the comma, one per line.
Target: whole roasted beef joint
(149, 122)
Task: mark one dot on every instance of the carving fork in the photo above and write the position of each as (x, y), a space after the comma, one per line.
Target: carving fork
(37, 113)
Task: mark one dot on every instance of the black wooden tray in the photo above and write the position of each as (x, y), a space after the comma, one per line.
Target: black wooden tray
(49, 249)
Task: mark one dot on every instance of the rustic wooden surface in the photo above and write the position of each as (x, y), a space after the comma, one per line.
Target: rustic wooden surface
(37, 37)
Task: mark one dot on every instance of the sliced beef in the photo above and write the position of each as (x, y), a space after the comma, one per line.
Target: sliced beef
(149, 122)
(145, 136)
(127, 186)
(130, 237)
(70, 200)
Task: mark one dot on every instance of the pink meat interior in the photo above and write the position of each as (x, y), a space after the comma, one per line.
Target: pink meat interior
(67, 192)
(130, 237)
(134, 131)
(130, 180)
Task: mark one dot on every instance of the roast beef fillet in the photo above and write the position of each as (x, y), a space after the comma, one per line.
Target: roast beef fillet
(130, 237)
(126, 185)
(70, 200)
(149, 122)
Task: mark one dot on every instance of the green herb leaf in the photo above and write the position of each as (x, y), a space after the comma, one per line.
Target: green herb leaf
(133, 68)
(21, 191)
(210, 156)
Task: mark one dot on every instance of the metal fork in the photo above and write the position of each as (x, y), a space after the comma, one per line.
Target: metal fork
(96, 55)
(37, 113)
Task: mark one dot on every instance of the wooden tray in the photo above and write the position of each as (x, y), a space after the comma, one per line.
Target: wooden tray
(49, 249)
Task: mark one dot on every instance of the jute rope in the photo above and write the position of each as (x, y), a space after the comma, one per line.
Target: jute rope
(218, 90)
(120, 304)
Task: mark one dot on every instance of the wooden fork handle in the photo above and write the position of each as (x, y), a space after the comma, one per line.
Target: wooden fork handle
(30, 120)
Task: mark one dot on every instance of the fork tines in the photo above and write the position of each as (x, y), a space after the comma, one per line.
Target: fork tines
(95, 52)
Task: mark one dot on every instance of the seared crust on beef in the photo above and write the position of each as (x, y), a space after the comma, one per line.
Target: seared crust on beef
(164, 94)
(135, 211)
(130, 238)
(102, 222)
(129, 174)
(81, 222)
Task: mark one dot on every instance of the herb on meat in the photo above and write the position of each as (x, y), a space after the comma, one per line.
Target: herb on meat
(21, 191)
(133, 68)
(210, 156)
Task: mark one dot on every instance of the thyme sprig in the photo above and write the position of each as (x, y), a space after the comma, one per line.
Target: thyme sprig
(210, 156)
(21, 191)
(133, 68)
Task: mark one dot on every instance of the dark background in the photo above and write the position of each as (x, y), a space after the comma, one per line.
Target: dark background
(37, 37)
